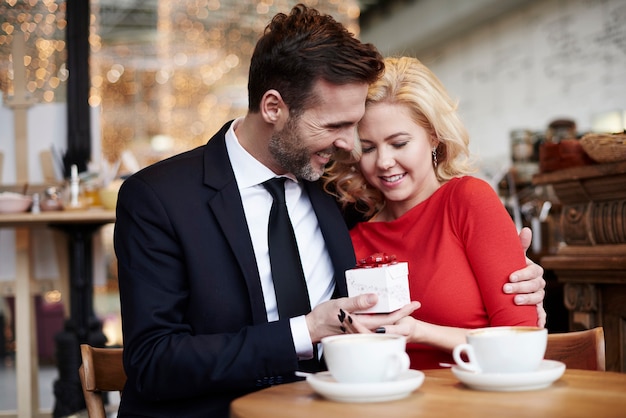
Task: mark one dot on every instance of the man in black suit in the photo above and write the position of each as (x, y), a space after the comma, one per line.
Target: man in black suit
(199, 313)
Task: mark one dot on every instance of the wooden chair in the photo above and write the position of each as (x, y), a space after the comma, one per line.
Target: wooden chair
(578, 349)
(102, 371)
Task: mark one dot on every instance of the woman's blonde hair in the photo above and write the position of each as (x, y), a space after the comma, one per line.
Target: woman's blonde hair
(408, 82)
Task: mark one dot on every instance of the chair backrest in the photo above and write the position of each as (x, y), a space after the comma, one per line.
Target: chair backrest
(578, 349)
(102, 371)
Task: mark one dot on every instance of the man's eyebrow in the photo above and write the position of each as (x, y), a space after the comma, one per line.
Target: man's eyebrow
(340, 124)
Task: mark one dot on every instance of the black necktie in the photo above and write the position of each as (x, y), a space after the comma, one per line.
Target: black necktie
(292, 296)
(289, 284)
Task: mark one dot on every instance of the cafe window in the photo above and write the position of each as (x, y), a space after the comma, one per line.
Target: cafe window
(164, 75)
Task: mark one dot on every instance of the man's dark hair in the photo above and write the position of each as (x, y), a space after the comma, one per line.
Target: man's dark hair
(298, 49)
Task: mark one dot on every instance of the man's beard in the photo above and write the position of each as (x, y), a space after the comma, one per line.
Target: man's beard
(287, 149)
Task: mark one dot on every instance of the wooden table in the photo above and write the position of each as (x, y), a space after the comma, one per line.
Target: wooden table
(79, 227)
(578, 393)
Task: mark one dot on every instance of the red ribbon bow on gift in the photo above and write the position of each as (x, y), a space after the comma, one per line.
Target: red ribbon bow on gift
(376, 260)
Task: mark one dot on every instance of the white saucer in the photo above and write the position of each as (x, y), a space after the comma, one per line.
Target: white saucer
(549, 371)
(324, 384)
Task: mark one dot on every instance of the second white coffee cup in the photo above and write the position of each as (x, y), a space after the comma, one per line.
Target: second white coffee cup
(365, 358)
(502, 350)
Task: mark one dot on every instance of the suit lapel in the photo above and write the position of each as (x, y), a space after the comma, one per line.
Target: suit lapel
(335, 234)
(227, 208)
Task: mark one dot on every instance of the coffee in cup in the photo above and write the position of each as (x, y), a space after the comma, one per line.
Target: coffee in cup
(365, 358)
(514, 349)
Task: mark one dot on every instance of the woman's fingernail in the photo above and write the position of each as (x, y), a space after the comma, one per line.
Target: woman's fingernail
(349, 319)
(341, 316)
(380, 330)
(343, 329)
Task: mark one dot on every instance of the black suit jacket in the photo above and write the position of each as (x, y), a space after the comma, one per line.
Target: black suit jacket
(194, 322)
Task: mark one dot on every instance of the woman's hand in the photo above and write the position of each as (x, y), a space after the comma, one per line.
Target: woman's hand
(368, 323)
(336, 316)
(416, 331)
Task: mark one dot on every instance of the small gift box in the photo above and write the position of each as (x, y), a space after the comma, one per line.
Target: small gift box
(381, 274)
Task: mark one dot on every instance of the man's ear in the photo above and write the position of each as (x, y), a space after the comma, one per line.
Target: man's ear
(272, 106)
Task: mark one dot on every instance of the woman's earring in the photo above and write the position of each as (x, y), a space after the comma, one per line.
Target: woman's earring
(435, 157)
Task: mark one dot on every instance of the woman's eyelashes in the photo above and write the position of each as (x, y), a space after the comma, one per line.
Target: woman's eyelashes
(369, 148)
(399, 145)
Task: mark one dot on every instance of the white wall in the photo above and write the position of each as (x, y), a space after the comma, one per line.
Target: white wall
(47, 127)
(46, 130)
(549, 59)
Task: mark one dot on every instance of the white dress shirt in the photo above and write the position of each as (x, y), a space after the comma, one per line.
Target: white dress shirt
(257, 202)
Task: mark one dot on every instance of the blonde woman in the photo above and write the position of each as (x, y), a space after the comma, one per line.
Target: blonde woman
(411, 178)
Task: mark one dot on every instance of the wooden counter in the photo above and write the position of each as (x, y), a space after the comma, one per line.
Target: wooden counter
(79, 227)
(592, 263)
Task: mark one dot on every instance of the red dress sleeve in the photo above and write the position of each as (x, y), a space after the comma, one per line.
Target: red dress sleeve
(493, 249)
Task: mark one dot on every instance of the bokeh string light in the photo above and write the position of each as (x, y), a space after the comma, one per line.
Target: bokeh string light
(160, 90)
(42, 23)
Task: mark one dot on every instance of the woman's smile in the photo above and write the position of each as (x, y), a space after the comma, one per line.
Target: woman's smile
(393, 179)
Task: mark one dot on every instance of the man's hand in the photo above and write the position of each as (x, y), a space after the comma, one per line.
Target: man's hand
(528, 284)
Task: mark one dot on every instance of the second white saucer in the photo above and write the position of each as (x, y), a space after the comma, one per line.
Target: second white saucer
(549, 371)
(324, 384)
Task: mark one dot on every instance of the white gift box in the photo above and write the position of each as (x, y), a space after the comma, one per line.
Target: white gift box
(390, 282)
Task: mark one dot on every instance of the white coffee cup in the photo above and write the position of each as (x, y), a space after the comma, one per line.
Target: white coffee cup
(365, 358)
(502, 349)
